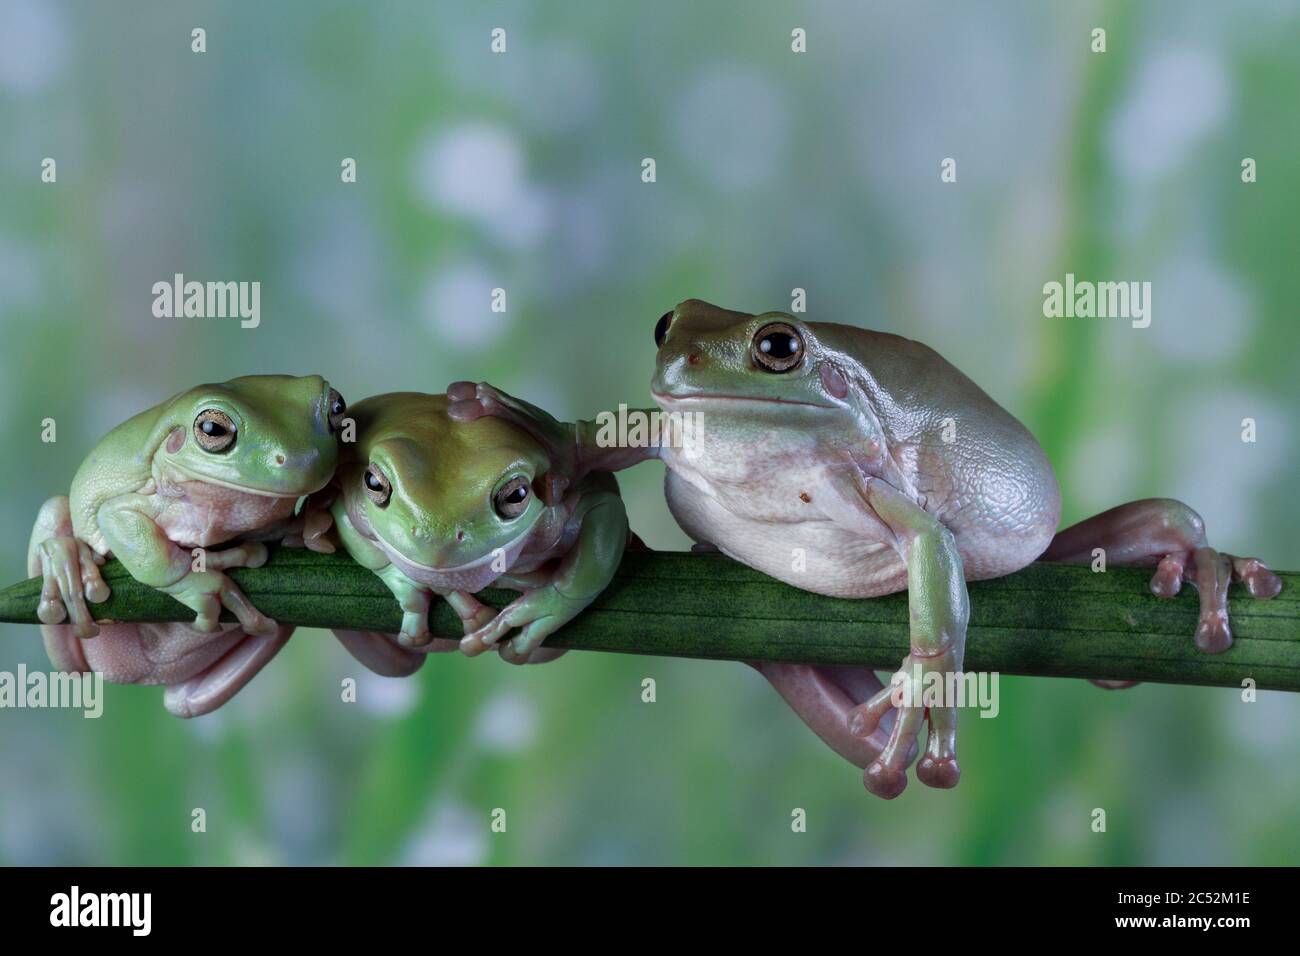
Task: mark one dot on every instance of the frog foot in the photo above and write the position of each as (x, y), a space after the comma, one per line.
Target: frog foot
(469, 401)
(250, 554)
(472, 400)
(414, 600)
(1211, 572)
(538, 614)
(886, 776)
(68, 567)
(70, 574)
(1170, 534)
(207, 592)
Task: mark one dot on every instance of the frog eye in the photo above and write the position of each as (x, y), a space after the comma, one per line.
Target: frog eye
(378, 488)
(777, 347)
(512, 500)
(661, 328)
(214, 431)
(337, 408)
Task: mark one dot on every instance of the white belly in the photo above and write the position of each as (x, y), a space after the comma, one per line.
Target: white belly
(813, 554)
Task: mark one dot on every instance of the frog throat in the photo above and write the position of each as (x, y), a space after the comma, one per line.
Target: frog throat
(468, 566)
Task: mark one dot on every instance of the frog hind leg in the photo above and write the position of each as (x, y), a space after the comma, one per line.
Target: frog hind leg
(824, 697)
(1170, 535)
(230, 673)
(386, 655)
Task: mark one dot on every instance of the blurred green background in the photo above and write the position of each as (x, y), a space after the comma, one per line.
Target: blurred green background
(775, 170)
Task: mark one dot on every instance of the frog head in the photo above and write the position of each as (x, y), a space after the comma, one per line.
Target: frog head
(747, 365)
(268, 435)
(440, 495)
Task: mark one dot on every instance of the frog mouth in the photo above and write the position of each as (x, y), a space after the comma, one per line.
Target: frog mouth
(712, 397)
(244, 489)
(455, 569)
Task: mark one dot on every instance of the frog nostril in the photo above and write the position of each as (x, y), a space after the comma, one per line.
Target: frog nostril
(460, 535)
(279, 459)
(693, 358)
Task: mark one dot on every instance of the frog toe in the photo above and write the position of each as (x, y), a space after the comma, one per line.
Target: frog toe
(51, 610)
(1213, 633)
(884, 782)
(1259, 581)
(942, 773)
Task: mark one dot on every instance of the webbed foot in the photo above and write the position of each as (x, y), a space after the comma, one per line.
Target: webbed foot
(905, 697)
(69, 569)
(1171, 535)
(207, 592)
(537, 614)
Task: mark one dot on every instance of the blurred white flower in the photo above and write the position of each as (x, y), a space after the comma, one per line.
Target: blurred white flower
(385, 696)
(456, 305)
(476, 170)
(1179, 96)
(453, 836)
(507, 723)
(33, 45)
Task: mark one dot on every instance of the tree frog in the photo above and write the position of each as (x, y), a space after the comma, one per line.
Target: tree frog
(437, 506)
(212, 465)
(857, 463)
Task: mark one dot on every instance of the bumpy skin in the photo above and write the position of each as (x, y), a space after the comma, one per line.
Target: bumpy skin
(436, 528)
(148, 494)
(868, 466)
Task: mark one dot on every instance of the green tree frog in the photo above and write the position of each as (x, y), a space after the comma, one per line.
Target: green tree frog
(857, 463)
(437, 506)
(213, 465)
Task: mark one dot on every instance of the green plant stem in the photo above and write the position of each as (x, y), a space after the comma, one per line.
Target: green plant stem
(1047, 620)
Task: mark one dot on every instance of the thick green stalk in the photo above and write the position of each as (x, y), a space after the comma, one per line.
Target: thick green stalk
(1047, 620)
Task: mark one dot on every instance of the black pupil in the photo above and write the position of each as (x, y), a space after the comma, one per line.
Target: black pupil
(373, 482)
(661, 328)
(212, 429)
(337, 407)
(517, 495)
(779, 345)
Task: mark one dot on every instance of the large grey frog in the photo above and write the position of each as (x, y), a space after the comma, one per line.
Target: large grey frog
(857, 463)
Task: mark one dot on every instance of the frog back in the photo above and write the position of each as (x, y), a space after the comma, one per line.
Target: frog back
(957, 452)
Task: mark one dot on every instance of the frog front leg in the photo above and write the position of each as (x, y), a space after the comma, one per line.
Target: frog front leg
(939, 611)
(1169, 534)
(583, 573)
(70, 573)
(385, 654)
(153, 559)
